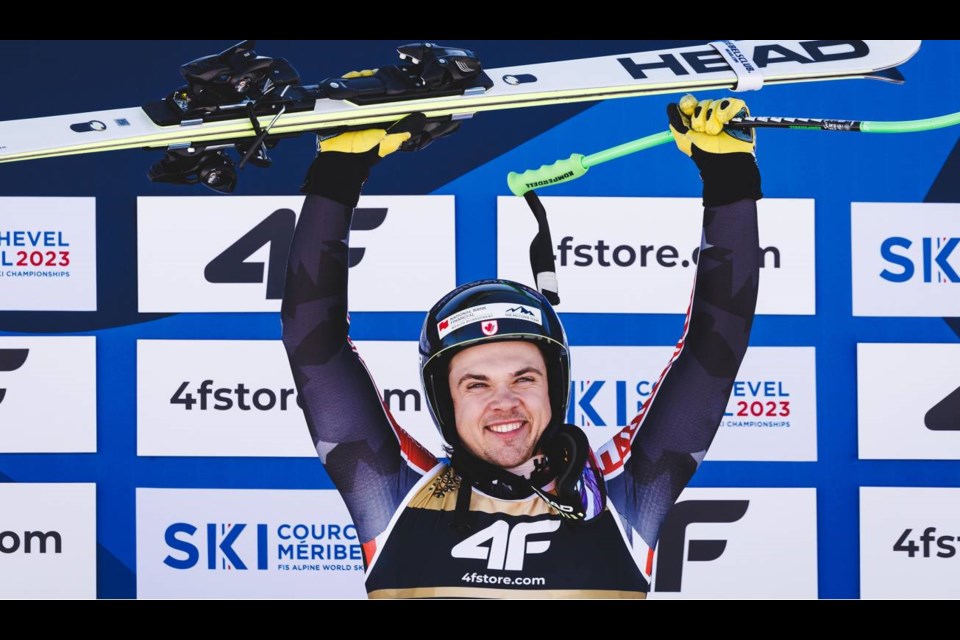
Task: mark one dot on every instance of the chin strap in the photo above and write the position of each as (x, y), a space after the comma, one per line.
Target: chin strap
(462, 519)
(581, 493)
(489, 478)
(569, 461)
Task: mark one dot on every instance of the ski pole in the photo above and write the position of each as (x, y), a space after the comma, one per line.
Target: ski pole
(577, 164)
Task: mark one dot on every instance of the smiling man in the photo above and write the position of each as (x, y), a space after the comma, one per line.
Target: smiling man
(522, 493)
(501, 405)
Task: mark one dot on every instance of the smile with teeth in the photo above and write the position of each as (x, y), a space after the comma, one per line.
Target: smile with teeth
(506, 427)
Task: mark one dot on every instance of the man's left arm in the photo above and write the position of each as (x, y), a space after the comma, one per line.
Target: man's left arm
(663, 446)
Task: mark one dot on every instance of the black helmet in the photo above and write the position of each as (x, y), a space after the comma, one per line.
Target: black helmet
(490, 311)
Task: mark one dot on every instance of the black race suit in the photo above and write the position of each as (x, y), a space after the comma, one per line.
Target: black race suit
(402, 500)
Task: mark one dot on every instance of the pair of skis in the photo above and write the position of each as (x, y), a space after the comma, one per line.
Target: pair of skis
(238, 105)
(238, 101)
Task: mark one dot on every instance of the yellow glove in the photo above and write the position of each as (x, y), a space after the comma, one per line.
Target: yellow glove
(344, 160)
(414, 132)
(363, 141)
(701, 124)
(726, 157)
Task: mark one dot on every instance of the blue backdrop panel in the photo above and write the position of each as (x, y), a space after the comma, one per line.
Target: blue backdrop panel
(833, 169)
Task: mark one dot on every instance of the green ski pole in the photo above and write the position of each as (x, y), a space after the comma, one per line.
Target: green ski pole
(577, 164)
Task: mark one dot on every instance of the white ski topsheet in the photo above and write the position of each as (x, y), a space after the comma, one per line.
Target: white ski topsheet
(648, 72)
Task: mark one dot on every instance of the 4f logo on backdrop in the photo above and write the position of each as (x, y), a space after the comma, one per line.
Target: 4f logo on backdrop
(931, 259)
(674, 547)
(218, 547)
(11, 360)
(276, 231)
(943, 416)
(505, 547)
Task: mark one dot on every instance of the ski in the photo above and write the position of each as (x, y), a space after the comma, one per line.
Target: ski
(240, 100)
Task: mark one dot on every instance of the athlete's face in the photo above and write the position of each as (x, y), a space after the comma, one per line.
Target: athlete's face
(500, 400)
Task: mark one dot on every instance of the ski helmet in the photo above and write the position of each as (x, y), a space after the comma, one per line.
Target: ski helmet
(490, 311)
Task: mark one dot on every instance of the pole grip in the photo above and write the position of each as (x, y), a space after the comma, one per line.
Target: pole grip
(549, 174)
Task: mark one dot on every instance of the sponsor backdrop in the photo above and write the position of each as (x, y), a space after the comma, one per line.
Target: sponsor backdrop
(34, 370)
(719, 543)
(151, 444)
(196, 543)
(926, 405)
(48, 254)
(909, 539)
(771, 414)
(230, 254)
(915, 270)
(237, 398)
(48, 540)
(647, 249)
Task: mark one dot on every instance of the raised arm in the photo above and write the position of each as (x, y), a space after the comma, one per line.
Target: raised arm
(370, 459)
(651, 460)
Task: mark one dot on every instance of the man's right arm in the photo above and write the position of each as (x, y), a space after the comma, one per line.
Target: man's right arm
(664, 445)
(370, 459)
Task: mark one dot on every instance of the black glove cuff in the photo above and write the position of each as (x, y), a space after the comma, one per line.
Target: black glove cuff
(340, 176)
(727, 177)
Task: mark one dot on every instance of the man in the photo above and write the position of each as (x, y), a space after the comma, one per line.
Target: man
(523, 508)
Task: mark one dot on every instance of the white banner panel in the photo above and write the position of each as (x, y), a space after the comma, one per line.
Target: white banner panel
(921, 420)
(909, 539)
(211, 543)
(739, 544)
(237, 397)
(230, 253)
(906, 259)
(771, 414)
(48, 394)
(48, 254)
(48, 541)
(636, 255)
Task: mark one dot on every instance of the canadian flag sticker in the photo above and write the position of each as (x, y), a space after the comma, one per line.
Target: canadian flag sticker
(487, 315)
